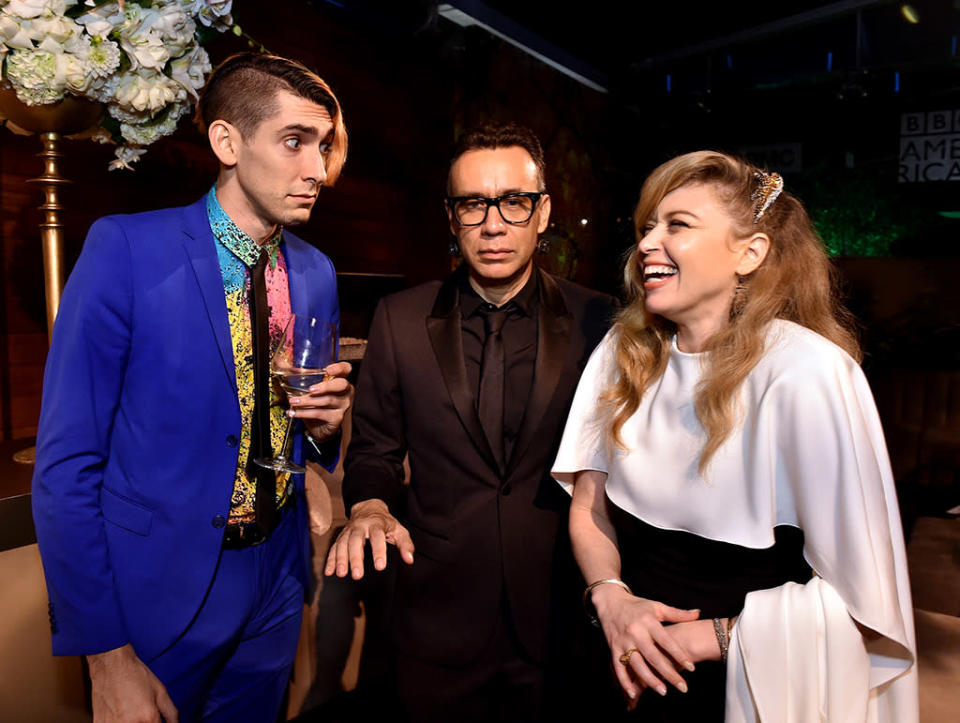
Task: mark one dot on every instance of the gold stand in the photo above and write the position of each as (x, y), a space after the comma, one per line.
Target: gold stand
(51, 229)
(68, 116)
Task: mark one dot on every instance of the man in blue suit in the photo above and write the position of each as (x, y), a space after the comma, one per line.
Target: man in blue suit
(173, 562)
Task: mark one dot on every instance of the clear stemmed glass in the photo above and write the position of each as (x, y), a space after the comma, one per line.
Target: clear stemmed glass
(307, 347)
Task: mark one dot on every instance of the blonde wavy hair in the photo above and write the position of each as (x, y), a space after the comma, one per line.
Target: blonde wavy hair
(794, 282)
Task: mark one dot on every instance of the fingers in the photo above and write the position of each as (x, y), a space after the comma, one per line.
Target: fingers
(378, 547)
(355, 544)
(626, 681)
(675, 650)
(654, 667)
(668, 614)
(346, 553)
(331, 565)
(166, 707)
(340, 557)
(400, 536)
(338, 369)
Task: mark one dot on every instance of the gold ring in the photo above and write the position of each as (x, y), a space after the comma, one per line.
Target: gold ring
(625, 658)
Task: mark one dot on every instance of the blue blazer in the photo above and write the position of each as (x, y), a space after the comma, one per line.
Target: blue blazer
(139, 426)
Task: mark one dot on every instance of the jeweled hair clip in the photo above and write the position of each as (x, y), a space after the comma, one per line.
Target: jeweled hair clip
(769, 186)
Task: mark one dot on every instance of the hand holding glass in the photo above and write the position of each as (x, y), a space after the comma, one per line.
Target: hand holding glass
(307, 347)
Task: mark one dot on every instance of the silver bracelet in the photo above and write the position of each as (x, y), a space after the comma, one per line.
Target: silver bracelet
(723, 641)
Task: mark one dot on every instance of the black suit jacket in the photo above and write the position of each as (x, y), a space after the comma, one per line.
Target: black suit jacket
(476, 529)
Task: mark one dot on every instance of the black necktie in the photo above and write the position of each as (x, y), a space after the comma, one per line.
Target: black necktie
(265, 504)
(490, 398)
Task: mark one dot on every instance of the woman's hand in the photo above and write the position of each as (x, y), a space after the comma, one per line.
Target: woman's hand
(698, 638)
(635, 624)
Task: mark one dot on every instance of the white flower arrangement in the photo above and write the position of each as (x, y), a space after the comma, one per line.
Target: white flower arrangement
(142, 59)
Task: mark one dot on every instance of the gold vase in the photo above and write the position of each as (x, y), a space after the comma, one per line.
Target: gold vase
(66, 117)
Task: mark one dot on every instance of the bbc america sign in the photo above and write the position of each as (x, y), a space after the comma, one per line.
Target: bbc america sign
(930, 146)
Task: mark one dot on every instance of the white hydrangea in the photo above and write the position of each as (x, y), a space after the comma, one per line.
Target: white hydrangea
(34, 75)
(143, 134)
(127, 116)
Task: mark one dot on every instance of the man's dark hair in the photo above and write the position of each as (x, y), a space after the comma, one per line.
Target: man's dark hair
(243, 89)
(493, 135)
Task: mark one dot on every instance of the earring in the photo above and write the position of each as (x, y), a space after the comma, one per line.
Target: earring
(543, 245)
(739, 297)
(454, 249)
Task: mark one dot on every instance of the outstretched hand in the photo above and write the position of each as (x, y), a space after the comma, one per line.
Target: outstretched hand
(369, 520)
(636, 624)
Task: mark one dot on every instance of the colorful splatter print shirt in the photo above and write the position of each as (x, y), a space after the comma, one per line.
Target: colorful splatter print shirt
(237, 253)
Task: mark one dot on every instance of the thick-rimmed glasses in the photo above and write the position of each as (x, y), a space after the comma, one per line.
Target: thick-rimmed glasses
(514, 208)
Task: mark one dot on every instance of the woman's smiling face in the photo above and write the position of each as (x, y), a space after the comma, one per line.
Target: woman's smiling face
(690, 258)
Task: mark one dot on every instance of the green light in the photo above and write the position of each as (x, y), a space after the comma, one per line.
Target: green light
(950, 214)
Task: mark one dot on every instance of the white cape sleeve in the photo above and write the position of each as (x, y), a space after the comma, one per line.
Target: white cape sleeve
(797, 654)
(584, 445)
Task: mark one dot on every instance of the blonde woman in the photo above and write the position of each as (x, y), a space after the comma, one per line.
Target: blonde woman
(733, 510)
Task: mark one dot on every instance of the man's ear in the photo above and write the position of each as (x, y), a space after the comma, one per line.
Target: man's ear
(544, 213)
(224, 138)
(454, 226)
(753, 253)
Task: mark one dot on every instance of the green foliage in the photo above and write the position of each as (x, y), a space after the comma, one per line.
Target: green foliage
(855, 213)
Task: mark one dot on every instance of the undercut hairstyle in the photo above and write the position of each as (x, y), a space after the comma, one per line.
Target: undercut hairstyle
(492, 135)
(795, 281)
(243, 89)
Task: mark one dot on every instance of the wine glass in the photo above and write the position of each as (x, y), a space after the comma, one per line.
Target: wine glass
(307, 346)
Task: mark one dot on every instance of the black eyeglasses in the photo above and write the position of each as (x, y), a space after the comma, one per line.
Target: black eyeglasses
(514, 208)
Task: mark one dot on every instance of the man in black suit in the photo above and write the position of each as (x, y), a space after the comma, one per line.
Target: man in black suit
(473, 377)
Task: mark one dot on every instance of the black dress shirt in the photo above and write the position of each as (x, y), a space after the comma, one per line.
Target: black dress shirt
(519, 346)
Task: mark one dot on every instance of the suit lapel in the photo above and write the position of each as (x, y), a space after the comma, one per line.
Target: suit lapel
(200, 246)
(443, 328)
(299, 301)
(553, 341)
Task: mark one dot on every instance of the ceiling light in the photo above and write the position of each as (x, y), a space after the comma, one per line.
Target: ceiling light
(909, 13)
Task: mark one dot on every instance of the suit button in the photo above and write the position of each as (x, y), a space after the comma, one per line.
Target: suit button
(506, 489)
(232, 440)
(218, 521)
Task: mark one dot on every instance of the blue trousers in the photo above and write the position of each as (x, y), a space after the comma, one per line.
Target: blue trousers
(234, 661)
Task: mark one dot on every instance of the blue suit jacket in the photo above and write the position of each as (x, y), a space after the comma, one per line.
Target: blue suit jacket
(137, 443)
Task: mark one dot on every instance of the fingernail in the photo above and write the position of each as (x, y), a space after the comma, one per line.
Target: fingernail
(682, 687)
(661, 690)
(689, 666)
(632, 694)
(291, 413)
